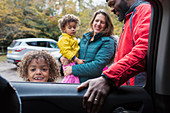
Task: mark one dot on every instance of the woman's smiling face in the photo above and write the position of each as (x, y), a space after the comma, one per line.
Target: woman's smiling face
(38, 71)
(99, 23)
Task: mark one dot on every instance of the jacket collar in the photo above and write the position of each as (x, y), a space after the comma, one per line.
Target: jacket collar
(88, 35)
(65, 34)
(138, 2)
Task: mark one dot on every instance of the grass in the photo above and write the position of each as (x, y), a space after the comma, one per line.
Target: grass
(2, 58)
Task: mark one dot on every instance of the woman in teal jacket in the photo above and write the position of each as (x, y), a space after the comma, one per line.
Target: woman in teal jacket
(96, 48)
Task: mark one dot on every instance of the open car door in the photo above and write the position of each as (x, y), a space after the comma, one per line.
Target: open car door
(64, 98)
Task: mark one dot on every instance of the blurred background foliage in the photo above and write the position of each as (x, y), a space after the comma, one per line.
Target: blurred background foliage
(39, 18)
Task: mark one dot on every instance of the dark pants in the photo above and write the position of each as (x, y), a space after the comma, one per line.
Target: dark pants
(140, 79)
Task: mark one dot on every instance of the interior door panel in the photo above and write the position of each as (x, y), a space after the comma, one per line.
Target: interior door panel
(64, 98)
(9, 100)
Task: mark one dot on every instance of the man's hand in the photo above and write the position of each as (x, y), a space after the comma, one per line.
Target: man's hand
(96, 93)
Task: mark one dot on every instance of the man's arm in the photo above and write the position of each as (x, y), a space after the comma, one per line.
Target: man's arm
(134, 62)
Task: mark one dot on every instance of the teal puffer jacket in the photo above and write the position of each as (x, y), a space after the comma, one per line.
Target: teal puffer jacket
(97, 54)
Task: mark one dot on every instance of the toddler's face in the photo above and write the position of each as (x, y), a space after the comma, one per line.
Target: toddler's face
(70, 28)
(38, 71)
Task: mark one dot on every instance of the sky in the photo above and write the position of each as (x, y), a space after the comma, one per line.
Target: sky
(99, 1)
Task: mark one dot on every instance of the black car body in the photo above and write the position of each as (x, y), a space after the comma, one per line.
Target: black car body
(154, 97)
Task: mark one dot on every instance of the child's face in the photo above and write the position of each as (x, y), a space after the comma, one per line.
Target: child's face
(38, 71)
(70, 28)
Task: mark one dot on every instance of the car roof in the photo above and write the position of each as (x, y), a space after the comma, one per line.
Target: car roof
(35, 39)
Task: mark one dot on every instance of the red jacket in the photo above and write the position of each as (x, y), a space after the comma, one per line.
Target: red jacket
(130, 60)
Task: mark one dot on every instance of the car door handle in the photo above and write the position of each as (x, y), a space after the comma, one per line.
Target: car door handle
(123, 110)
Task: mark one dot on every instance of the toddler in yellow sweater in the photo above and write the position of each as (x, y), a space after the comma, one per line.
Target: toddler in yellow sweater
(68, 44)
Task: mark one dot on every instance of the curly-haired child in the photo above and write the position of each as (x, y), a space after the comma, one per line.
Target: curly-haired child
(68, 44)
(38, 66)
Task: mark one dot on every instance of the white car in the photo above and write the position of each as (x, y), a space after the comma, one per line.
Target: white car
(19, 47)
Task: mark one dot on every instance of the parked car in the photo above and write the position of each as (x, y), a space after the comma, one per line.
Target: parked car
(154, 97)
(18, 48)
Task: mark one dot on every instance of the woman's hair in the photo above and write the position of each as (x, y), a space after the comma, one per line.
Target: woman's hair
(109, 29)
(67, 19)
(51, 63)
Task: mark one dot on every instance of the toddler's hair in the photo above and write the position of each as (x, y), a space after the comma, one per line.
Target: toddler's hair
(67, 19)
(51, 62)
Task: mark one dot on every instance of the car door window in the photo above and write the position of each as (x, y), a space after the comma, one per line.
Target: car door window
(34, 19)
(52, 45)
(42, 44)
(32, 43)
(38, 43)
(15, 43)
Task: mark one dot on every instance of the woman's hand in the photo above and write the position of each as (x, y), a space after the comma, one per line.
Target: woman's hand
(68, 71)
(80, 61)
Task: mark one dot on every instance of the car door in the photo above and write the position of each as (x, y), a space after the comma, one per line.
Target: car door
(64, 98)
(152, 98)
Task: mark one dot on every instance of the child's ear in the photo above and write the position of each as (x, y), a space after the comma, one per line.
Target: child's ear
(27, 79)
(50, 78)
(64, 30)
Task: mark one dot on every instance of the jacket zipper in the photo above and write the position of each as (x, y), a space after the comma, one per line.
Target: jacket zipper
(120, 39)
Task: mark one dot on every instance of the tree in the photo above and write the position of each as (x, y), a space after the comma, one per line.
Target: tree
(39, 18)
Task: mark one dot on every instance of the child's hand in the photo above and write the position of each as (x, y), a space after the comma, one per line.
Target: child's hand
(64, 61)
(80, 61)
(68, 70)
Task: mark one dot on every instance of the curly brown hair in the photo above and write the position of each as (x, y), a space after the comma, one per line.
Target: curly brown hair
(51, 62)
(66, 19)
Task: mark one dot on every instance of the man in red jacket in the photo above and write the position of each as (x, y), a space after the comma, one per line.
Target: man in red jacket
(131, 51)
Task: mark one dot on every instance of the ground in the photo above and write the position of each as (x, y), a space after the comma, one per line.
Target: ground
(9, 71)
